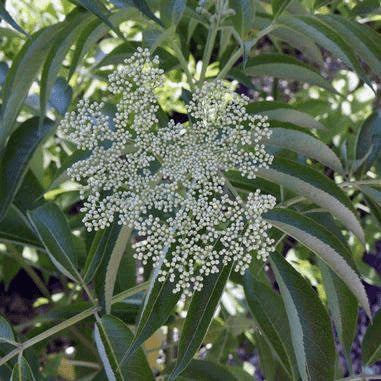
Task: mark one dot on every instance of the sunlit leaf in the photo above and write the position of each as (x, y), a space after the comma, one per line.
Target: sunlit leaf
(306, 145)
(111, 337)
(21, 75)
(311, 332)
(287, 67)
(324, 244)
(316, 187)
(199, 317)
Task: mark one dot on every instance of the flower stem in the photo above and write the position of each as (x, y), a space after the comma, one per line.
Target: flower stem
(237, 54)
(212, 34)
(183, 62)
(71, 321)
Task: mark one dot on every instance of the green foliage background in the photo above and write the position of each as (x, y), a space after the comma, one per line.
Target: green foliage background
(314, 67)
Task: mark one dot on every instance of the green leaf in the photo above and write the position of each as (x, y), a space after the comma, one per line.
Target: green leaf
(240, 374)
(6, 332)
(371, 345)
(108, 247)
(90, 35)
(296, 39)
(366, 6)
(99, 10)
(288, 67)
(51, 226)
(4, 14)
(318, 188)
(21, 75)
(311, 332)
(111, 337)
(61, 95)
(19, 151)
(374, 194)
(324, 244)
(74, 24)
(342, 305)
(118, 54)
(113, 264)
(367, 47)
(305, 145)
(279, 6)
(158, 305)
(327, 37)
(15, 228)
(145, 9)
(96, 253)
(201, 370)
(285, 113)
(22, 371)
(243, 19)
(268, 311)
(267, 363)
(171, 11)
(199, 317)
(369, 136)
(10, 33)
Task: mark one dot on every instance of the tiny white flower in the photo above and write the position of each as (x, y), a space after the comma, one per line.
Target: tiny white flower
(169, 182)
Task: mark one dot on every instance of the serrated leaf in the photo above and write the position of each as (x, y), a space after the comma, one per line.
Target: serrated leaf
(158, 305)
(371, 344)
(284, 113)
(54, 232)
(199, 317)
(369, 136)
(171, 11)
(4, 14)
(99, 10)
(268, 311)
(21, 75)
(15, 228)
(113, 264)
(311, 332)
(324, 244)
(66, 38)
(279, 6)
(306, 145)
(342, 305)
(318, 188)
(367, 47)
(19, 151)
(22, 371)
(327, 37)
(287, 67)
(202, 370)
(111, 337)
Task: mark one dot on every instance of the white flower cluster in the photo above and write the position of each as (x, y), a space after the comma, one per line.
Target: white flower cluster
(169, 182)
